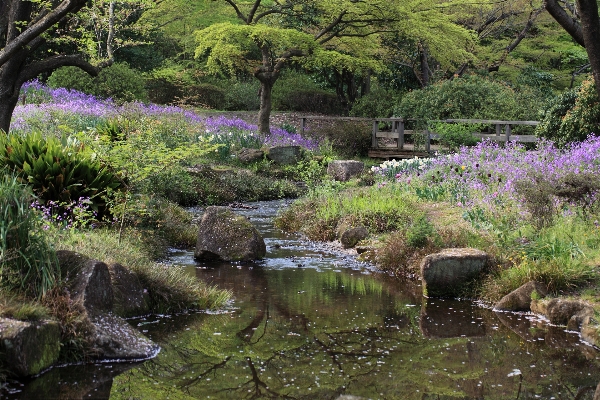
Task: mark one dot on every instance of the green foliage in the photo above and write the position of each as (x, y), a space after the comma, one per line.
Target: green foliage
(347, 138)
(454, 136)
(58, 170)
(466, 97)
(553, 114)
(27, 262)
(379, 103)
(312, 101)
(242, 96)
(118, 82)
(204, 95)
(420, 232)
(572, 117)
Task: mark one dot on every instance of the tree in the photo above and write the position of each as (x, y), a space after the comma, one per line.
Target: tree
(26, 28)
(343, 34)
(582, 23)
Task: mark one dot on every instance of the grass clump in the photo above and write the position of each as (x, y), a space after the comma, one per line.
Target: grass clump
(27, 261)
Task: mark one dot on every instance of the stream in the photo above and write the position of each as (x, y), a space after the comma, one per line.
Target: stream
(312, 322)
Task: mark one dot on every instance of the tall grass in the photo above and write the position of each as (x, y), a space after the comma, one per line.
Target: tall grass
(27, 261)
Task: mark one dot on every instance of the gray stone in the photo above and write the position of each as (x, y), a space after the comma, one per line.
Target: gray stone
(247, 155)
(570, 313)
(285, 155)
(130, 297)
(92, 287)
(352, 236)
(228, 236)
(113, 338)
(27, 348)
(444, 273)
(343, 170)
(520, 298)
(590, 331)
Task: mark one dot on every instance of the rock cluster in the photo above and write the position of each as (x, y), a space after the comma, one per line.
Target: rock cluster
(102, 291)
(343, 170)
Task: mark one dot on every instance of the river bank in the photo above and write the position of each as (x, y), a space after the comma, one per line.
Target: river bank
(312, 320)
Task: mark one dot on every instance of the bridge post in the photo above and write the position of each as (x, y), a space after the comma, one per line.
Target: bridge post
(302, 125)
(498, 130)
(374, 139)
(508, 131)
(399, 124)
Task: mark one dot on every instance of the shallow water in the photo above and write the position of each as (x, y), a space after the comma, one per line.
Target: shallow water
(311, 322)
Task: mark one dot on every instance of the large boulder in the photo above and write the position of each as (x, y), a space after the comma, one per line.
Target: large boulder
(350, 237)
(343, 170)
(130, 297)
(27, 348)
(228, 236)
(92, 287)
(443, 274)
(520, 298)
(285, 155)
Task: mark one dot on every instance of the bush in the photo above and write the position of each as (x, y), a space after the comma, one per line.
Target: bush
(59, 171)
(119, 82)
(379, 103)
(467, 97)
(347, 138)
(204, 95)
(454, 136)
(163, 91)
(313, 101)
(572, 116)
(27, 262)
(242, 96)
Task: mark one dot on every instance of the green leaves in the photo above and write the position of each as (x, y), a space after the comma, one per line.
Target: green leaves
(59, 170)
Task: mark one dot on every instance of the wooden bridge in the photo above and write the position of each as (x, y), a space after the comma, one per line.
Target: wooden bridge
(392, 142)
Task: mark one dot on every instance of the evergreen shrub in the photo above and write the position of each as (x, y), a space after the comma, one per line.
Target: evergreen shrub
(571, 116)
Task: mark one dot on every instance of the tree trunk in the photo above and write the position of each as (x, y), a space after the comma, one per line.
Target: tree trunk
(10, 88)
(590, 25)
(266, 103)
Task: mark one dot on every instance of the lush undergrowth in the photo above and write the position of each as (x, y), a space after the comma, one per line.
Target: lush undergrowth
(535, 212)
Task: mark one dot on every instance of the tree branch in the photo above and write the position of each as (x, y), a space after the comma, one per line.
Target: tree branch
(237, 11)
(332, 25)
(38, 28)
(568, 23)
(51, 63)
(253, 11)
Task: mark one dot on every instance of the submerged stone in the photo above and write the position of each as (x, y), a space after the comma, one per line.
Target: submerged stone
(27, 348)
(444, 273)
(563, 312)
(228, 236)
(114, 338)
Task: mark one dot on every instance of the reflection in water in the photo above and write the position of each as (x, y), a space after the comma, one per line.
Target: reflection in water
(310, 322)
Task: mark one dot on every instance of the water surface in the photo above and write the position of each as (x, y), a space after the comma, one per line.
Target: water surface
(311, 322)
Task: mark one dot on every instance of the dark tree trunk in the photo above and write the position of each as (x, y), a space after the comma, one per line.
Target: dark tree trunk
(266, 104)
(425, 71)
(10, 87)
(590, 25)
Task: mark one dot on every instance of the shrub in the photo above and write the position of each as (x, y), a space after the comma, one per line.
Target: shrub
(454, 136)
(204, 95)
(347, 138)
(27, 262)
(163, 91)
(571, 117)
(466, 97)
(242, 96)
(119, 82)
(379, 103)
(57, 170)
(314, 101)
